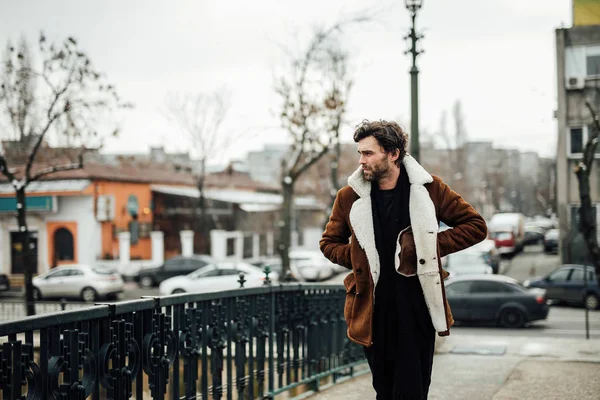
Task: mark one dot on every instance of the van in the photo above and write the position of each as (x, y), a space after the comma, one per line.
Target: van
(508, 231)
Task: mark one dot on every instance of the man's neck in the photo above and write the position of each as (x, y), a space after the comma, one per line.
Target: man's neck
(389, 182)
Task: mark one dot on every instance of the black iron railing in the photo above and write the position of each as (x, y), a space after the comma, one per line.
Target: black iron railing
(241, 344)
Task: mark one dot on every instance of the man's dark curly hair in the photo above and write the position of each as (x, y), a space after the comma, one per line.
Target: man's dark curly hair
(389, 135)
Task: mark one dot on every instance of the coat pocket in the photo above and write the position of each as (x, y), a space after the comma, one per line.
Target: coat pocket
(350, 284)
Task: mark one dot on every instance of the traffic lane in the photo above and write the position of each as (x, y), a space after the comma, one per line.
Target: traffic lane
(530, 263)
(562, 321)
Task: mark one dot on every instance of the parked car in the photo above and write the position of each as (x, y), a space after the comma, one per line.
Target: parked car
(508, 230)
(78, 281)
(4, 283)
(175, 266)
(495, 298)
(274, 263)
(489, 252)
(533, 235)
(305, 265)
(216, 277)
(312, 265)
(466, 262)
(551, 241)
(567, 284)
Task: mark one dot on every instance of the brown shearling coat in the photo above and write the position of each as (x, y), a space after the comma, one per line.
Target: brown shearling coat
(349, 240)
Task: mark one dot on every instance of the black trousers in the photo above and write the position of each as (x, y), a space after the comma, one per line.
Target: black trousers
(401, 357)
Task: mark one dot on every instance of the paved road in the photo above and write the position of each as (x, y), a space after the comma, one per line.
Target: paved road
(531, 262)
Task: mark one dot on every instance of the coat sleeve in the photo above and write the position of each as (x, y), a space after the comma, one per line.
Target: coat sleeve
(335, 242)
(468, 227)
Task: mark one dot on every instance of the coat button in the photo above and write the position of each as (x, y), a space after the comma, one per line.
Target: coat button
(421, 261)
(359, 271)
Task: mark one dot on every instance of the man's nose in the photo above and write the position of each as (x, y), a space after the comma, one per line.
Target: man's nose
(361, 160)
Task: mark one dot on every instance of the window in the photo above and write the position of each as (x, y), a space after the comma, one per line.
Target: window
(75, 272)
(193, 264)
(593, 65)
(560, 275)
(207, 272)
(231, 271)
(577, 275)
(488, 287)
(174, 264)
(501, 235)
(63, 245)
(582, 61)
(578, 137)
(458, 288)
(59, 274)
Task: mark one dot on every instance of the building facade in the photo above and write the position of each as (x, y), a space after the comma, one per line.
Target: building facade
(578, 80)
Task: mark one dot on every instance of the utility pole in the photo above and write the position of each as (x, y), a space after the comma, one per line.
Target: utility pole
(413, 6)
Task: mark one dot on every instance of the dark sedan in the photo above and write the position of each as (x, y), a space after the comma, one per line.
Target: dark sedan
(534, 236)
(495, 298)
(173, 267)
(567, 284)
(551, 241)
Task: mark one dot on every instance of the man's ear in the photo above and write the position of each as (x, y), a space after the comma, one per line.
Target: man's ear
(394, 155)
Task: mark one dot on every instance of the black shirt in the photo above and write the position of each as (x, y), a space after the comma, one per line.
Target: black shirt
(390, 216)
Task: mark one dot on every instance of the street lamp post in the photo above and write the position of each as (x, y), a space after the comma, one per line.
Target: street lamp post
(413, 6)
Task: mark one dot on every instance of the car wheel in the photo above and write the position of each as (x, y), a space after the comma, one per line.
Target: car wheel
(512, 318)
(178, 291)
(146, 282)
(88, 294)
(37, 295)
(591, 301)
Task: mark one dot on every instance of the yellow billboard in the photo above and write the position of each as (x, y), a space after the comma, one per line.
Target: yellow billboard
(586, 12)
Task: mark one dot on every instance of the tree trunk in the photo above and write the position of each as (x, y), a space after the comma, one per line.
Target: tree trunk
(27, 251)
(587, 219)
(334, 176)
(202, 208)
(285, 225)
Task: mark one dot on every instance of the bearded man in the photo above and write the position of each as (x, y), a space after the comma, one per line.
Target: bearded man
(384, 227)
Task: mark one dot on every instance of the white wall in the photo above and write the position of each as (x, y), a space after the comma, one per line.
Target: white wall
(80, 209)
(35, 223)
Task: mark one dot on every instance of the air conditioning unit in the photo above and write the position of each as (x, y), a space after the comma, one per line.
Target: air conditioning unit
(575, 82)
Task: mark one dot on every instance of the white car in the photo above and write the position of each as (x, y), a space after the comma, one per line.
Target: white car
(311, 265)
(216, 277)
(78, 280)
(467, 262)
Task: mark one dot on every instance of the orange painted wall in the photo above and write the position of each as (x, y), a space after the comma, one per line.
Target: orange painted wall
(121, 191)
(51, 227)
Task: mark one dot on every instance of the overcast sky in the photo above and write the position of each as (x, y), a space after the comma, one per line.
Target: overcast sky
(496, 56)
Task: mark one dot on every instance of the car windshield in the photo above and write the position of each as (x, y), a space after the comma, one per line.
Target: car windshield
(501, 235)
(465, 258)
(104, 271)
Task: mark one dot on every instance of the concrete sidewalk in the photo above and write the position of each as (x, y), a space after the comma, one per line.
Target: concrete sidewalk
(501, 368)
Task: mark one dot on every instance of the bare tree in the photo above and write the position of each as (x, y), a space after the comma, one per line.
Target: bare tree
(314, 95)
(341, 86)
(200, 116)
(60, 101)
(587, 215)
(454, 143)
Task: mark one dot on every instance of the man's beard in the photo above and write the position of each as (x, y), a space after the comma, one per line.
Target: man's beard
(377, 171)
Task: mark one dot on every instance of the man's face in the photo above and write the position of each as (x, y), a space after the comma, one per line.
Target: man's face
(375, 162)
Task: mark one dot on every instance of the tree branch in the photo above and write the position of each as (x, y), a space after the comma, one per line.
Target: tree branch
(310, 161)
(58, 168)
(4, 169)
